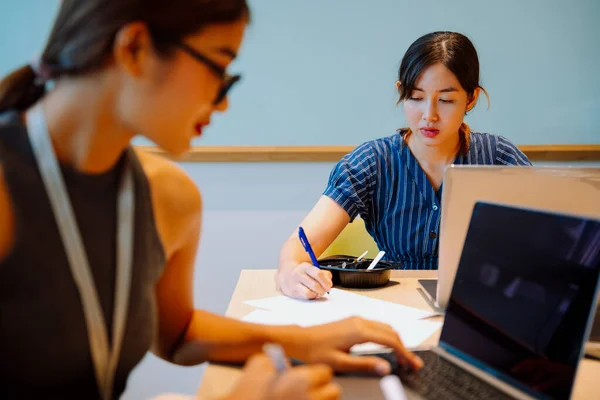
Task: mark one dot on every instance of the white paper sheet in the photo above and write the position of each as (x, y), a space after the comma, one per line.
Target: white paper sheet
(343, 303)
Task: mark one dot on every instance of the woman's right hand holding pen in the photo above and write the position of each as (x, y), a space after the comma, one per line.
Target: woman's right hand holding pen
(298, 275)
(305, 281)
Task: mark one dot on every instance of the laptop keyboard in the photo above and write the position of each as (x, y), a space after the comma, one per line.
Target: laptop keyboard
(440, 379)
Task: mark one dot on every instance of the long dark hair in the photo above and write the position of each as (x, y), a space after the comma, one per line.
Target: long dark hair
(453, 50)
(84, 30)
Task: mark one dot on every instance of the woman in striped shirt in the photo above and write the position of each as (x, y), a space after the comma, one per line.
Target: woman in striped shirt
(395, 183)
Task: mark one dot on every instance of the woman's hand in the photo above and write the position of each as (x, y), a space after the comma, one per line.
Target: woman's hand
(305, 281)
(261, 381)
(296, 277)
(329, 344)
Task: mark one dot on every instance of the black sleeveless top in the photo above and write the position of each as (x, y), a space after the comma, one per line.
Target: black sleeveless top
(44, 350)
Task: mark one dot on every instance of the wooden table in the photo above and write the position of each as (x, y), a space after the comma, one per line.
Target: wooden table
(218, 380)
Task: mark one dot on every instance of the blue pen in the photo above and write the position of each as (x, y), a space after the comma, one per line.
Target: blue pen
(306, 245)
(309, 250)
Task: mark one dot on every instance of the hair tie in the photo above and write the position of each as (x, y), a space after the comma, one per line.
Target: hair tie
(41, 70)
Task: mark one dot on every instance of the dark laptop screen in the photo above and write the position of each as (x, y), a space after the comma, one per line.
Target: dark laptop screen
(522, 296)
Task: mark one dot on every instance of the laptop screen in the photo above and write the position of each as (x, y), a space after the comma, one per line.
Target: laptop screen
(523, 295)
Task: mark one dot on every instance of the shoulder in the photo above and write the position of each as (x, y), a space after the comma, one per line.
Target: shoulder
(170, 182)
(176, 199)
(361, 165)
(501, 149)
(374, 151)
(382, 147)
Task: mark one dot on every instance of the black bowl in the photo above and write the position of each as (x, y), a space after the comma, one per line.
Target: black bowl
(348, 273)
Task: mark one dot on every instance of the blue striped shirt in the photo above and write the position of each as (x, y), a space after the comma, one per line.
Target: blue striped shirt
(382, 181)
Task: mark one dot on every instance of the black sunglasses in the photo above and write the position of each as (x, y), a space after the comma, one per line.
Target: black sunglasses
(227, 80)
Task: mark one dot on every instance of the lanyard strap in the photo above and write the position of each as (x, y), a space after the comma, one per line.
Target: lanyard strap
(105, 361)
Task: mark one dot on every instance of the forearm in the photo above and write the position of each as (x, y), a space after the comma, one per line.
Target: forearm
(212, 337)
(322, 225)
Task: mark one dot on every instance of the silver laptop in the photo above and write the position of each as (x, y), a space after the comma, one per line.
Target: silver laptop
(520, 309)
(559, 189)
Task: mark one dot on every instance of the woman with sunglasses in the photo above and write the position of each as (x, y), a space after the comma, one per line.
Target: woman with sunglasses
(98, 241)
(395, 183)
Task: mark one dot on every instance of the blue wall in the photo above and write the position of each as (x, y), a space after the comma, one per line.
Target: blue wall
(323, 72)
(24, 27)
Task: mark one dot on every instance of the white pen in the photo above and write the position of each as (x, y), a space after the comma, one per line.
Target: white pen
(392, 388)
(378, 257)
(277, 355)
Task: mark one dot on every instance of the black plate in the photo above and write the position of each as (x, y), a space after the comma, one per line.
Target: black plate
(355, 275)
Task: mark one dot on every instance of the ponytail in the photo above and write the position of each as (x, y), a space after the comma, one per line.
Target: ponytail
(20, 89)
(464, 133)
